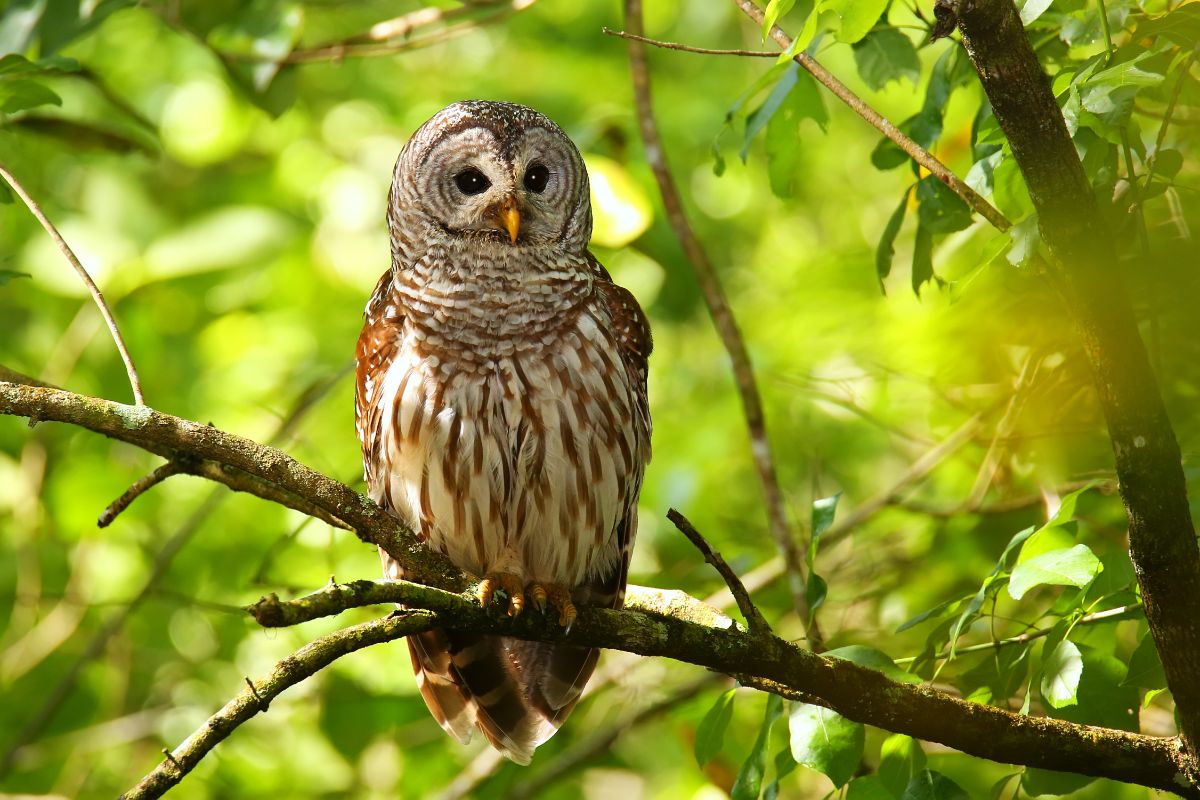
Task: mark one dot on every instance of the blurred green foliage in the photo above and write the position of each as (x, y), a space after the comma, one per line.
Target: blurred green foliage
(231, 208)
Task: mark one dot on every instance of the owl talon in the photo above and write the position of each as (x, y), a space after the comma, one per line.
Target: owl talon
(537, 595)
(505, 582)
(558, 597)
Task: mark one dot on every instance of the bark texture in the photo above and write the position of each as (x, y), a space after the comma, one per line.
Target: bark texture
(1162, 539)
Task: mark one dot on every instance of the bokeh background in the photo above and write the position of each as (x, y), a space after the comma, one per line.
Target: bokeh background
(233, 214)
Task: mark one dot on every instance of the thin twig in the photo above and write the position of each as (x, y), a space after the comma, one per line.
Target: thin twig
(1110, 615)
(727, 328)
(377, 41)
(254, 699)
(705, 51)
(768, 573)
(69, 254)
(754, 617)
(139, 487)
(877, 121)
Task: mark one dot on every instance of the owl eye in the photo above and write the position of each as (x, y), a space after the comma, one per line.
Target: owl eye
(536, 178)
(471, 181)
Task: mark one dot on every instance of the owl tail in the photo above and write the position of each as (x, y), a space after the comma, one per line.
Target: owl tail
(517, 693)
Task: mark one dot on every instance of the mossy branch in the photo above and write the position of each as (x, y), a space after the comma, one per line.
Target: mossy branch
(655, 622)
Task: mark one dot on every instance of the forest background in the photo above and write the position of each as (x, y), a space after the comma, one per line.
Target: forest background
(221, 169)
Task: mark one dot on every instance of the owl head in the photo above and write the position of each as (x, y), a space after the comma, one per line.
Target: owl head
(489, 174)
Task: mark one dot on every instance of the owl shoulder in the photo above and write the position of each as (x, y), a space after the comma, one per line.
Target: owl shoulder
(632, 327)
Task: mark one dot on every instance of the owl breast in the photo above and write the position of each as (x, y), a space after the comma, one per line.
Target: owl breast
(509, 423)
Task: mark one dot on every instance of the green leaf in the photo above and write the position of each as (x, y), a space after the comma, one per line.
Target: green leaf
(930, 785)
(1061, 670)
(922, 260)
(261, 35)
(1037, 782)
(710, 734)
(1181, 26)
(759, 118)
(937, 612)
(1024, 237)
(874, 659)
(1100, 698)
(1073, 566)
(22, 94)
(858, 17)
(885, 56)
(7, 275)
(926, 127)
(823, 511)
(784, 766)
(748, 784)
(775, 10)
(815, 591)
(783, 149)
(1145, 666)
(1032, 9)
(939, 209)
(900, 759)
(887, 242)
(826, 741)
(868, 787)
(1167, 163)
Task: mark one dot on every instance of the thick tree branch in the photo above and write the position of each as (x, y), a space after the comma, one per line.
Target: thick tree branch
(781, 529)
(853, 691)
(1162, 539)
(655, 623)
(245, 466)
(257, 695)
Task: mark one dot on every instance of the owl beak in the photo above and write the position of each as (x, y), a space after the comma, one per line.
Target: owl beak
(509, 218)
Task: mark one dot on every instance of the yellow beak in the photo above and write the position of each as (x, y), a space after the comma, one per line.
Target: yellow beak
(509, 218)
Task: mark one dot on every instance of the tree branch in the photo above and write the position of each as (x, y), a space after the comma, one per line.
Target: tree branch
(1162, 539)
(656, 623)
(754, 618)
(858, 693)
(257, 695)
(877, 121)
(785, 537)
(134, 381)
(245, 465)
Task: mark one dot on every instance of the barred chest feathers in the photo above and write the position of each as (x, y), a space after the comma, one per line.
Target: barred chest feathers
(508, 418)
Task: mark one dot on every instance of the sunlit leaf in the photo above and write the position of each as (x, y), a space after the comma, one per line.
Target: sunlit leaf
(858, 17)
(1061, 670)
(1073, 566)
(826, 741)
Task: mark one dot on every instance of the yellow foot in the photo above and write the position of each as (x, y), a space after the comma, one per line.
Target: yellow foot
(558, 597)
(505, 582)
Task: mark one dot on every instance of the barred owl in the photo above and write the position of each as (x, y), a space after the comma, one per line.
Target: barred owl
(501, 406)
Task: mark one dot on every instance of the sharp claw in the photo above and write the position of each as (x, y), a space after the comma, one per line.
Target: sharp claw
(538, 595)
